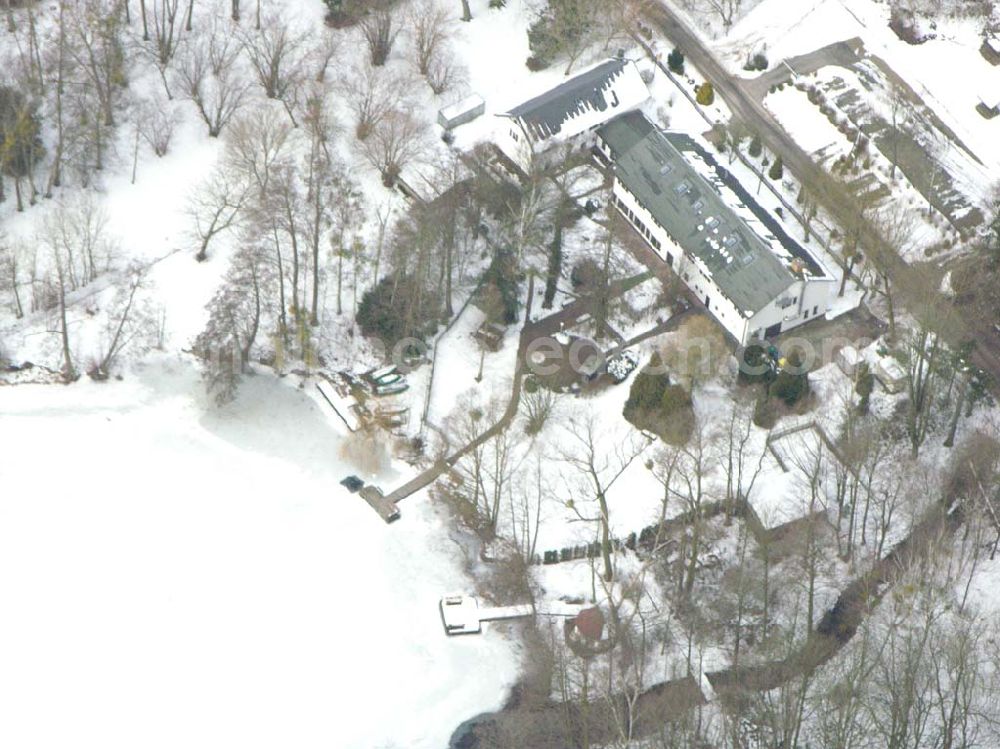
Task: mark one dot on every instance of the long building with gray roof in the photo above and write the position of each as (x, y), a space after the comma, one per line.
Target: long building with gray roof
(754, 278)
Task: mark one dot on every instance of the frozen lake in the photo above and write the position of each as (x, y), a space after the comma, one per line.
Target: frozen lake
(171, 577)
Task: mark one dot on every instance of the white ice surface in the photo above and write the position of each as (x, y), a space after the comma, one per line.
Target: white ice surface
(171, 577)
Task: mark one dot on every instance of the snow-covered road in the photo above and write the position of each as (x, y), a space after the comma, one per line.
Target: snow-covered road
(171, 577)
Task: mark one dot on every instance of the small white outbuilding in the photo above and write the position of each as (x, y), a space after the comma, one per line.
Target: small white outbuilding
(848, 360)
(461, 112)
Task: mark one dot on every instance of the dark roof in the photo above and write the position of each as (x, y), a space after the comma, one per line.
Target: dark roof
(545, 114)
(590, 623)
(690, 207)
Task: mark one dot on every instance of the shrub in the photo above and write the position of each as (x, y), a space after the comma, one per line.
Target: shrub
(498, 295)
(705, 94)
(659, 406)
(788, 386)
(777, 169)
(756, 148)
(758, 366)
(864, 384)
(675, 61)
(396, 309)
(588, 276)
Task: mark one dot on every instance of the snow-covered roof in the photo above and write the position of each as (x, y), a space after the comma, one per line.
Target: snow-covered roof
(584, 101)
(466, 105)
(990, 97)
(721, 241)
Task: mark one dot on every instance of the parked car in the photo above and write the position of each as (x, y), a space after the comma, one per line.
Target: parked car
(388, 379)
(377, 374)
(622, 365)
(391, 388)
(352, 484)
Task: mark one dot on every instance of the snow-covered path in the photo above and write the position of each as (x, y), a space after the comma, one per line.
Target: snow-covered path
(171, 578)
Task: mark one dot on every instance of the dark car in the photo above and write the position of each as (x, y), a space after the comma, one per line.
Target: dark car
(352, 484)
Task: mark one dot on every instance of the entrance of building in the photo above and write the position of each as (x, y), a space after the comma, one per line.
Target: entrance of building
(773, 331)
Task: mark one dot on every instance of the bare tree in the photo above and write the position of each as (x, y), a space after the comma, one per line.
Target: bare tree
(925, 362)
(98, 50)
(128, 323)
(157, 120)
(79, 229)
(444, 72)
(168, 27)
(211, 80)
(397, 141)
(277, 55)
(215, 207)
(430, 28)
(372, 93)
(724, 10)
(379, 30)
(897, 226)
(596, 465)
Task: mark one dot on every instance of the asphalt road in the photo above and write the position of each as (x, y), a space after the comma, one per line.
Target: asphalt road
(915, 287)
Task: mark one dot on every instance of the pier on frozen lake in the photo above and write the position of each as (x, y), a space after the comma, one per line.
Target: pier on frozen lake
(463, 616)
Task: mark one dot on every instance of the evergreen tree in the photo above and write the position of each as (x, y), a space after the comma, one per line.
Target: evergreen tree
(777, 169)
(755, 146)
(864, 385)
(675, 61)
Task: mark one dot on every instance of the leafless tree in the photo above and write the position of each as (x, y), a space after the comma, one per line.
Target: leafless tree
(596, 463)
(379, 30)
(897, 226)
(97, 48)
(429, 26)
(78, 228)
(158, 119)
(899, 106)
(925, 360)
(277, 55)
(397, 141)
(129, 322)
(211, 80)
(445, 72)
(724, 10)
(215, 207)
(256, 145)
(168, 27)
(372, 93)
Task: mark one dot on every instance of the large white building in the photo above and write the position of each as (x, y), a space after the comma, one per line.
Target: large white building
(754, 279)
(543, 129)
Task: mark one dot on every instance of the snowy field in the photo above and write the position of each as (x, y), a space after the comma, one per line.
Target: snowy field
(180, 577)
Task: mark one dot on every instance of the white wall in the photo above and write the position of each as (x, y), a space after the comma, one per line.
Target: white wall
(812, 299)
(687, 268)
(812, 296)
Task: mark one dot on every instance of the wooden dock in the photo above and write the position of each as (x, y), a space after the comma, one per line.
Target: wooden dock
(385, 507)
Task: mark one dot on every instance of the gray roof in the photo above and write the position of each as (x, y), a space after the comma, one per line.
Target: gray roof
(545, 114)
(693, 212)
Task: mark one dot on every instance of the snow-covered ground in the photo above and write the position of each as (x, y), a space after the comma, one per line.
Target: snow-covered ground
(175, 576)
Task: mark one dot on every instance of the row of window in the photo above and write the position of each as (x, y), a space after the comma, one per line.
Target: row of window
(638, 223)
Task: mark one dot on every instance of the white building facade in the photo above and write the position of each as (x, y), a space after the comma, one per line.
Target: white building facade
(751, 282)
(542, 131)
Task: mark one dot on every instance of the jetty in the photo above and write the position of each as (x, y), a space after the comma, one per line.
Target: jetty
(462, 615)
